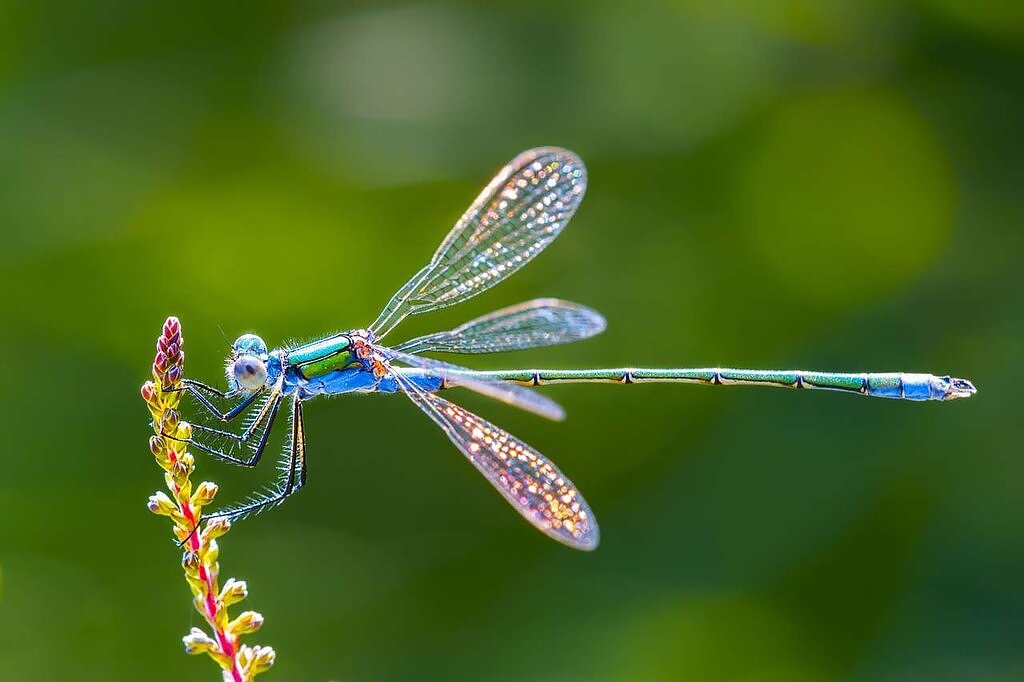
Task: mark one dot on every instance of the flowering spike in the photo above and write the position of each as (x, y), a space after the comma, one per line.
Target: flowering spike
(240, 663)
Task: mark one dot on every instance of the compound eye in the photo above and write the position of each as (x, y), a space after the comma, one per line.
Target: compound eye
(249, 344)
(249, 372)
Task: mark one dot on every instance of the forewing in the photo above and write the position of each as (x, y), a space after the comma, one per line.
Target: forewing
(513, 219)
(530, 482)
(511, 394)
(536, 323)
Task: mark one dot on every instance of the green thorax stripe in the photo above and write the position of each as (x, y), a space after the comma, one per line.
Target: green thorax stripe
(321, 357)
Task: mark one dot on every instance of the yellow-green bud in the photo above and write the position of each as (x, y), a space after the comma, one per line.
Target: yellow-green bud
(262, 659)
(204, 494)
(233, 592)
(246, 623)
(198, 642)
(160, 504)
(215, 528)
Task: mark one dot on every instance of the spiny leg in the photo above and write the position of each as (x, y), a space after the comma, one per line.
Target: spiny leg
(268, 413)
(195, 389)
(199, 385)
(250, 430)
(294, 473)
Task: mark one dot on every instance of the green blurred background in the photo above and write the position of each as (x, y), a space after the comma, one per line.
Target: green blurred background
(830, 185)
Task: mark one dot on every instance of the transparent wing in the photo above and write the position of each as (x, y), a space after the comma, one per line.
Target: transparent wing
(536, 323)
(530, 482)
(506, 392)
(519, 213)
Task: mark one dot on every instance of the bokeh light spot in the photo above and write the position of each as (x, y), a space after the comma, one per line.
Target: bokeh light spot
(846, 196)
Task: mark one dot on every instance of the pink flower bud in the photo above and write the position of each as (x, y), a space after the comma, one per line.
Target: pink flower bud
(173, 376)
(172, 326)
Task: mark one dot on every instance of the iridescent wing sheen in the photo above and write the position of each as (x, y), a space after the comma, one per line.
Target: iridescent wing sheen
(536, 323)
(513, 219)
(530, 482)
(506, 392)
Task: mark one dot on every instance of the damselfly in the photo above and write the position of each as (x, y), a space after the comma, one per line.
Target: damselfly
(513, 219)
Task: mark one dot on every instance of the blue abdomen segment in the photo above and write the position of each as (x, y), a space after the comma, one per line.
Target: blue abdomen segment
(348, 381)
(357, 380)
(425, 380)
(351, 380)
(907, 386)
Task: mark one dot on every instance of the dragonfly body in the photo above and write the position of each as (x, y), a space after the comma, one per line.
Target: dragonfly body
(329, 367)
(339, 364)
(514, 218)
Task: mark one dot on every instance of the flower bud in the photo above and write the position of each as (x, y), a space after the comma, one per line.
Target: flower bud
(215, 528)
(170, 421)
(246, 623)
(162, 505)
(198, 642)
(173, 376)
(149, 391)
(234, 591)
(204, 494)
(179, 474)
(190, 562)
(263, 658)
